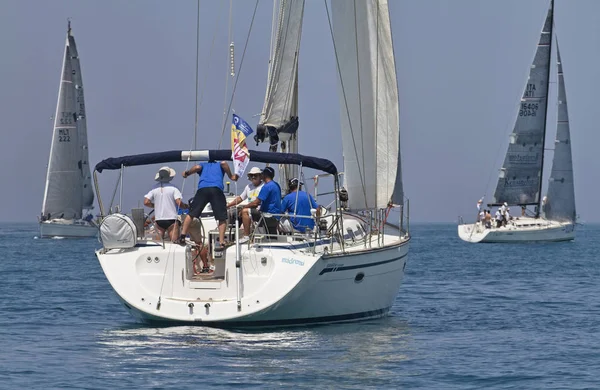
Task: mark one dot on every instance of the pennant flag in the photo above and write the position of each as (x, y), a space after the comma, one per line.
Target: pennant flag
(240, 129)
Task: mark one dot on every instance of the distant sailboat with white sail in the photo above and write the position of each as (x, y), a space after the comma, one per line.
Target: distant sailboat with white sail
(69, 189)
(521, 176)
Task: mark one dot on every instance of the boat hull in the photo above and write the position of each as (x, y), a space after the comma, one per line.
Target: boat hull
(287, 289)
(546, 231)
(50, 229)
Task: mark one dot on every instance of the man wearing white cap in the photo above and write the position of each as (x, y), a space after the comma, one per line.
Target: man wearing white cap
(248, 195)
(165, 199)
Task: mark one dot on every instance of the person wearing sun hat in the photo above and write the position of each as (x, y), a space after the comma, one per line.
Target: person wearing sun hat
(165, 199)
(268, 200)
(248, 195)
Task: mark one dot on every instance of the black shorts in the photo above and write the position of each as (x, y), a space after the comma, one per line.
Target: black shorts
(165, 223)
(215, 197)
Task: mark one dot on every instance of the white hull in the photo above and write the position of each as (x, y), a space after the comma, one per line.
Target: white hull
(282, 283)
(67, 229)
(521, 230)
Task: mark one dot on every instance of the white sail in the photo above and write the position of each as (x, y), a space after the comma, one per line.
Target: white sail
(521, 174)
(279, 117)
(368, 102)
(64, 181)
(560, 203)
(87, 190)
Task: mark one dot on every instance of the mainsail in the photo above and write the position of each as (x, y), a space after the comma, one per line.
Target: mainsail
(560, 203)
(88, 192)
(64, 180)
(368, 102)
(279, 118)
(521, 174)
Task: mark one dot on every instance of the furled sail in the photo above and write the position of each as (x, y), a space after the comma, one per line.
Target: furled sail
(87, 190)
(521, 174)
(368, 102)
(279, 117)
(62, 195)
(560, 202)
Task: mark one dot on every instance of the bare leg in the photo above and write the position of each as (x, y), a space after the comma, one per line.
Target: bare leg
(222, 228)
(246, 221)
(174, 231)
(161, 231)
(186, 225)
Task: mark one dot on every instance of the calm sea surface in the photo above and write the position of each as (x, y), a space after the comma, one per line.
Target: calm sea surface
(467, 316)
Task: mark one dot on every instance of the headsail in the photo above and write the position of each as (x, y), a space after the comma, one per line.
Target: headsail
(368, 102)
(560, 204)
(88, 191)
(62, 196)
(521, 174)
(279, 118)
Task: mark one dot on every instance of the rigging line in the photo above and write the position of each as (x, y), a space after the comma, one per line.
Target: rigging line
(337, 60)
(197, 61)
(238, 72)
(227, 74)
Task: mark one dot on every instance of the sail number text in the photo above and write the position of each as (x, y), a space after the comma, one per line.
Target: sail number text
(63, 135)
(66, 118)
(528, 109)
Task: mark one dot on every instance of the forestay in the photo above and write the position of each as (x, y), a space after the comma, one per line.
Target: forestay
(560, 205)
(521, 174)
(368, 102)
(87, 190)
(62, 196)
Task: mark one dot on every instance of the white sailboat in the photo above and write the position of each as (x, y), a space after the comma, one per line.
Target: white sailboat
(349, 267)
(521, 176)
(68, 189)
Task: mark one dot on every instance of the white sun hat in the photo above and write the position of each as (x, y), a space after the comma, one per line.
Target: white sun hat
(165, 174)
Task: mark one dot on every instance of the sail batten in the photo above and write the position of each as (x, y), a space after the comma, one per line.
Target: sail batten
(368, 103)
(520, 177)
(560, 202)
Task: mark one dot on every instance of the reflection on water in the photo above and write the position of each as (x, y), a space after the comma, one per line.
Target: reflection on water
(367, 351)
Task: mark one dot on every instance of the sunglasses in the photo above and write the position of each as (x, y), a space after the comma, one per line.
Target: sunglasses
(250, 177)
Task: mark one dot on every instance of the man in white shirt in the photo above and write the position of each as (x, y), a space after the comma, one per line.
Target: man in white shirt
(498, 218)
(249, 194)
(165, 199)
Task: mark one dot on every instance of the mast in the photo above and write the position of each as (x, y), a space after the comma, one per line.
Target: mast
(539, 207)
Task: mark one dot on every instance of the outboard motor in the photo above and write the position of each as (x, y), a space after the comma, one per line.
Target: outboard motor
(343, 195)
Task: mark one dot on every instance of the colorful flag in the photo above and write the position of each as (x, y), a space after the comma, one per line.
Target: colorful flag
(240, 155)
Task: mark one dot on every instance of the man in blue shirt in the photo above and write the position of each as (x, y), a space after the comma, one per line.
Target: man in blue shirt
(299, 203)
(210, 190)
(269, 200)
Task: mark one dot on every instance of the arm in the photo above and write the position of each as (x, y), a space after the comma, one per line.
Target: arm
(148, 203)
(234, 202)
(191, 171)
(181, 205)
(255, 203)
(227, 170)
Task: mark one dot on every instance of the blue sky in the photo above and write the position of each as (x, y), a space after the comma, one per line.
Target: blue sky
(461, 66)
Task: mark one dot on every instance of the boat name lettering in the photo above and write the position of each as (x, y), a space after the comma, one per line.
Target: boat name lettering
(516, 158)
(520, 183)
(332, 267)
(292, 261)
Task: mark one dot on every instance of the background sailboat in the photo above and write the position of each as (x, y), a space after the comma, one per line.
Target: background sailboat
(68, 190)
(521, 175)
